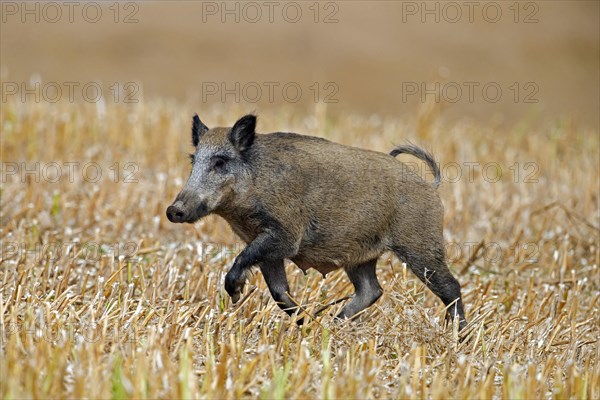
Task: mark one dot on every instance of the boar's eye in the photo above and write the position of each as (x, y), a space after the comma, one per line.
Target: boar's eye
(192, 158)
(218, 163)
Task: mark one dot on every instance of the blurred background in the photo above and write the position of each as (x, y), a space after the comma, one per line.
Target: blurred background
(498, 62)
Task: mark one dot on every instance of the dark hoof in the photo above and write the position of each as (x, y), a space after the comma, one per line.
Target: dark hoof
(234, 287)
(235, 297)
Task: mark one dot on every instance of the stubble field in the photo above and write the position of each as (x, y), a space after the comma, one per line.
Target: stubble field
(102, 297)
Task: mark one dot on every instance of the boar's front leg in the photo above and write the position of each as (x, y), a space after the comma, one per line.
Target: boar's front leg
(276, 280)
(367, 288)
(266, 247)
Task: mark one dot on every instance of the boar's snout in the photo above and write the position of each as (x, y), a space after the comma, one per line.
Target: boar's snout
(176, 212)
(187, 208)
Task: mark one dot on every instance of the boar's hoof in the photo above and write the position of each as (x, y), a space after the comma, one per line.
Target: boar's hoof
(234, 287)
(235, 297)
(462, 323)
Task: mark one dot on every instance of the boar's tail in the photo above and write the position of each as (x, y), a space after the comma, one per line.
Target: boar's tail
(423, 155)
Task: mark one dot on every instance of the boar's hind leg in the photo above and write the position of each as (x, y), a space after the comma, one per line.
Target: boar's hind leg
(276, 280)
(367, 288)
(434, 273)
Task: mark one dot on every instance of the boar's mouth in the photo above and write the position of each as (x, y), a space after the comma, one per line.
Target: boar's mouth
(201, 211)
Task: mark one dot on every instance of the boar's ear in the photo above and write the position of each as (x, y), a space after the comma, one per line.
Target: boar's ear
(242, 133)
(198, 129)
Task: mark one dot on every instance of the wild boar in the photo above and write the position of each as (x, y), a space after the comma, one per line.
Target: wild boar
(321, 205)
